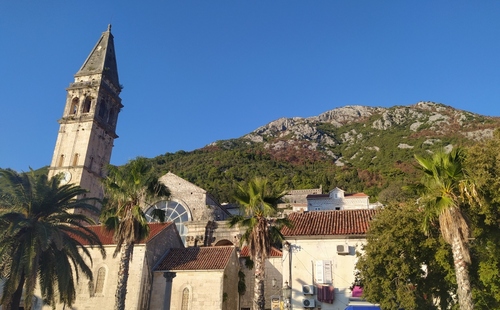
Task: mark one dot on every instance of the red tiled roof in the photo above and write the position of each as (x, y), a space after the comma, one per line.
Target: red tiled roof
(197, 258)
(106, 237)
(355, 195)
(245, 252)
(343, 222)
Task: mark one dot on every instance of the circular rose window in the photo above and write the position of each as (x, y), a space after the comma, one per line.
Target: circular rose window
(174, 212)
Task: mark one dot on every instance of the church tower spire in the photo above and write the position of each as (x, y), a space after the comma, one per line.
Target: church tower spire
(88, 125)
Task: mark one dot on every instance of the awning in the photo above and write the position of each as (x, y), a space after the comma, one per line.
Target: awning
(361, 307)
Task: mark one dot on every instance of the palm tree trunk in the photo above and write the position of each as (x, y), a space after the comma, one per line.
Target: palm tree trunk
(259, 300)
(462, 274)
(121, 288)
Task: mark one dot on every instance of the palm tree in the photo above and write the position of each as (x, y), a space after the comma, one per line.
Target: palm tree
(128, 189)
(41, 223)
(259, 201)
(447, 189)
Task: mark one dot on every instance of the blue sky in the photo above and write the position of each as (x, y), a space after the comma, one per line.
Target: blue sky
(199, 71)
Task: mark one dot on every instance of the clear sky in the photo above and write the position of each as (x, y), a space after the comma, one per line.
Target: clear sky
(199, 71)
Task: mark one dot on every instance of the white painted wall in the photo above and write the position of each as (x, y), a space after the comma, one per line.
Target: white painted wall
(305, 251)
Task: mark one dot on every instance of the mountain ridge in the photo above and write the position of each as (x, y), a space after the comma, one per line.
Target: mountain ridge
(355, 147)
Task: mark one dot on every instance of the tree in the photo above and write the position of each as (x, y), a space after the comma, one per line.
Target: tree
(483, 161)
(446, 190)
(400, 267)
(259, 202)
(128, 189)
(41, 223)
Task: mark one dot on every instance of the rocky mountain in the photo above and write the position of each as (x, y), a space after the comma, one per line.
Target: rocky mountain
(357, 148)
(436, 122)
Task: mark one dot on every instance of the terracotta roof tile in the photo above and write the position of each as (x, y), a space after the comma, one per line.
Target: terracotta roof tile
(106, 237)
(273, 253)
(197, 258)
(344, 222)
(355, 195)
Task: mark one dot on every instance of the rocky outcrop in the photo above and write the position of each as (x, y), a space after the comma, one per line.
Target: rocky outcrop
(353, 125)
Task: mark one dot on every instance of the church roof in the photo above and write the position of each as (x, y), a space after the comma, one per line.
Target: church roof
(338, 222)
(197, 258)
(102, 59)
(106, 237)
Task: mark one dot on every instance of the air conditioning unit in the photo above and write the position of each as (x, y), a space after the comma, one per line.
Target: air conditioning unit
(309, 303)
(343, 249)
(308, 289)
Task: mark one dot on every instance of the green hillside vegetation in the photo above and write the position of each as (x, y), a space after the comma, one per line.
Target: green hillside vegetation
(218, 169)
(373, 160)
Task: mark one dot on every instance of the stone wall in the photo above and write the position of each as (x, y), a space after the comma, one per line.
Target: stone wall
(274, 268)
(205, 290)
(140, 274)
(230, 286)
(202, 289)
(201, 205)
(155, 250)
(297, 198)
(209, 233)
(86, 298)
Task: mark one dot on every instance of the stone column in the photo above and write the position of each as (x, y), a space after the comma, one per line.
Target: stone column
(169, 276)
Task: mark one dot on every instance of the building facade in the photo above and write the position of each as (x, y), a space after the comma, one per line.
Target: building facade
(320, 257)
(273, 282)
(100, 293)
(337, 199)
(197, 278)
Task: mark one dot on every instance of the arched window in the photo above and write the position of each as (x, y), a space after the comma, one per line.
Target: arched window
(223, 242)
(174, 212)
(74, 106)
(86, 105)
(99, 283)
(185, 299)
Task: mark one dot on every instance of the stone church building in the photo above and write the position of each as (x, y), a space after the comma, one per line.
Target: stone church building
(192, 261)
(188, 262)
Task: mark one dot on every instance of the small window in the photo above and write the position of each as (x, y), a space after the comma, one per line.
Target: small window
(99, 284)
(185, 299)
(74, 106)
(317, 208)
(86, 105)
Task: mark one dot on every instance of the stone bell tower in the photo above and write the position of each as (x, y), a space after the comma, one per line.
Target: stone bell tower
(87, 127)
